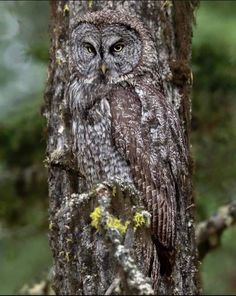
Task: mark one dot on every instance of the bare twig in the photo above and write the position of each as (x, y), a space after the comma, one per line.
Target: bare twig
(209, 232)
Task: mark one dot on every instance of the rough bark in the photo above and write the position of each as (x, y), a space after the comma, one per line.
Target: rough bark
(87, 261)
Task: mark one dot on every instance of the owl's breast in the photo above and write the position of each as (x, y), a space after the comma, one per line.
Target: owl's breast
(97, 155)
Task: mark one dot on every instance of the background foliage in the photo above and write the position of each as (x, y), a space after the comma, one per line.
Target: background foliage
(23, 190)
(214, 131)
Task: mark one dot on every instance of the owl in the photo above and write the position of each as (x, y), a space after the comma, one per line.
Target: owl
(124, 126)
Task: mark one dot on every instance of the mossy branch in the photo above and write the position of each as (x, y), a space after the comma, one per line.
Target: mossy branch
(129, 278)
(117, 229)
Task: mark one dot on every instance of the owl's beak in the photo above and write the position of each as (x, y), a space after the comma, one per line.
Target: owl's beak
(104, 69)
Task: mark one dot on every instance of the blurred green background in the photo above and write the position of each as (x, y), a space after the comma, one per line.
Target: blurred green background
(24, 251)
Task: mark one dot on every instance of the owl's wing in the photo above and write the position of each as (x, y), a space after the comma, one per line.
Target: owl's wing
(147, 133)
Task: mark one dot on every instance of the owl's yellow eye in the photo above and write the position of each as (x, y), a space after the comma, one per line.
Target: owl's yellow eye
(118, 47)
(89, 48)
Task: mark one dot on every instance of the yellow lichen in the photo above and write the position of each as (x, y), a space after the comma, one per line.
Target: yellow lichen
(138, 220)
(115, 223)
(66, 8)
(67, 256)
(51, 224)
(96, 217)
(111, 223)
(114, 191)
(90, 3)
(58, 61)
(167, 4)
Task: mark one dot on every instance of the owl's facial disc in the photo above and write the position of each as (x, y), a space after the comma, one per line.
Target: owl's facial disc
(107, 53)
(85, 50)
(122, 50)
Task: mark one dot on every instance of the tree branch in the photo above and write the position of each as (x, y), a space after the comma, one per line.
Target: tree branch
(209, 232)
(117, 232)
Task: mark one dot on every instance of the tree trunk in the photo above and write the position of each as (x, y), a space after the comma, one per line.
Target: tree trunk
(87, 261)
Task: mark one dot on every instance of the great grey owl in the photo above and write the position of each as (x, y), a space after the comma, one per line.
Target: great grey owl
(125, 126)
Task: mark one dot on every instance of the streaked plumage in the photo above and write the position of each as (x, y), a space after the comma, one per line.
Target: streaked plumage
(125, 127)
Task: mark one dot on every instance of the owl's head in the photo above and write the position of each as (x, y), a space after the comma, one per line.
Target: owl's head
(109, 46)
